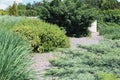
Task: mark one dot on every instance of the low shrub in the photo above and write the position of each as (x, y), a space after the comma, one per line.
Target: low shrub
(42, 36)
(14, 62)
(52, 38)
(30, 35)
(2, 12)
(86, 61)
(107, 76)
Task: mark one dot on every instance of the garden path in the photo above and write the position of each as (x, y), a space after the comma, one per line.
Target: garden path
(93, 39)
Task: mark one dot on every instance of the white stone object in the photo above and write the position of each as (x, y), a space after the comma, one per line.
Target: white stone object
(93, 27)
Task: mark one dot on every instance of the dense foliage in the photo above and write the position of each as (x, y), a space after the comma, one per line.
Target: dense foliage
(14, 62)
(21, 9)
(109, 30)
(12, 10)
(107, 76)
(86, 62)
(41, 36)
(3, 12)
(112, 16)
(73, 16)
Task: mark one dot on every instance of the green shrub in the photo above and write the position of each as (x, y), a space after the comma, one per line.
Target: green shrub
(112, 16)
(109, 30)
(107, 76)
(29, 22)
(42, 36)
(14, 62)
(52, 38)
(86, 61)
(30, 35)
(31, 13)
(73, 16)
(2, 12)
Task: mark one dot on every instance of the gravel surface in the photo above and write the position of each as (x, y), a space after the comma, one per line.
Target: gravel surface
(41, 61)
(74, 42)
(41, 64)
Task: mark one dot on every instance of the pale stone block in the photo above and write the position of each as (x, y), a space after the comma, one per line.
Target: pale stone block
(93, 27)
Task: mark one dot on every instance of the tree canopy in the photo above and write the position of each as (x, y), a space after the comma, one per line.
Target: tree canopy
(13, 10)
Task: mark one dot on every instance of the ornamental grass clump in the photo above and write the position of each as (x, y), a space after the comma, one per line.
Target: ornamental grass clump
(14, 60)
(9, 22)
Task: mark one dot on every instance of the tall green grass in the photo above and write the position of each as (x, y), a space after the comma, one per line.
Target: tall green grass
(14, 62)
(9, 21)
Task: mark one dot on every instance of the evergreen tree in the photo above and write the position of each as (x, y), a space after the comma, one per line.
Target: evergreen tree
(10, 10)
(109, 4)
(13, 9)
(56, 3)
(21, 9)
(28, 6)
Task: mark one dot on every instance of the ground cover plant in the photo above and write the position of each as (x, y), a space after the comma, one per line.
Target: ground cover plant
(87, 62)
(14, 62)
(41, 36)
(109, 30)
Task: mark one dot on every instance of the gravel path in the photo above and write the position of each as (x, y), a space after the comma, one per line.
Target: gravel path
(41, 61)
(94, 39)
(41, 64)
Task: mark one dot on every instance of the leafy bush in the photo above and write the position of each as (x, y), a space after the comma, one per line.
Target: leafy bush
(107, 76)
(86, 61)
(21, 9)
(31, 13)
(73, 16)
(109, 4)
(2, 12)
(52, 38)
(42, 36)
(112, 16)
(30, 35)
(14, 62)
(109, 30)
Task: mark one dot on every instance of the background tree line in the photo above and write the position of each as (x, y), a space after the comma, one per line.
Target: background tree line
(75, 16)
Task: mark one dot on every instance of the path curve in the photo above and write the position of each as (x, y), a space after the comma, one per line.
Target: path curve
(94, 39)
